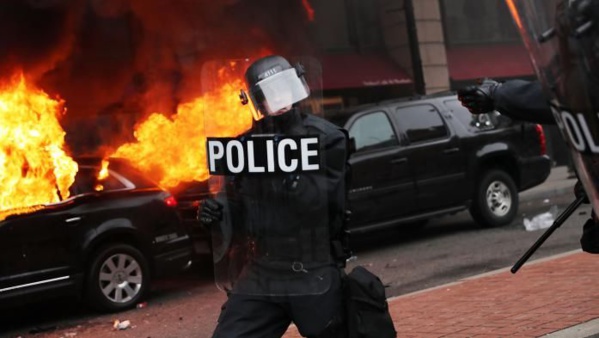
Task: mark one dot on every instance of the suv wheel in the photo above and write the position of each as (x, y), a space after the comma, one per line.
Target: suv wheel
(495, 201)
(118, 277)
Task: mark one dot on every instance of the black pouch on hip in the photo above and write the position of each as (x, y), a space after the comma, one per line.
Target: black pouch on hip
(367, 311)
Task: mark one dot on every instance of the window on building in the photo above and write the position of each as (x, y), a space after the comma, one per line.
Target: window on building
(348, 25)
(478, 21)
(365, 28)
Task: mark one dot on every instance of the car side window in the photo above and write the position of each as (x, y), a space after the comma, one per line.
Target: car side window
(421, 123)
(86, 181)
(372, 131)
(112, 183)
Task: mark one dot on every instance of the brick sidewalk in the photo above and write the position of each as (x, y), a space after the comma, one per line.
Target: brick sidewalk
(544, 296)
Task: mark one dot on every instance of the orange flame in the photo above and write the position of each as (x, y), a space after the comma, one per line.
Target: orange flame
(103, 170)
(173, 150)
(309, 9)
(34, 168)
(514, 11)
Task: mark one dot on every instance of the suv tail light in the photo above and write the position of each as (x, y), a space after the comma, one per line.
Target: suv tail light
(542, 141)
(170, 201)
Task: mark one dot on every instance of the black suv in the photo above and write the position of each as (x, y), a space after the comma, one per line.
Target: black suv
(419, 158)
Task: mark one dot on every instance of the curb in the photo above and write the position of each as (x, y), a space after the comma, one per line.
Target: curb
(483, 275)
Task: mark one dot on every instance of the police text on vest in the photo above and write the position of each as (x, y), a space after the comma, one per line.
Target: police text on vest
(263, 154)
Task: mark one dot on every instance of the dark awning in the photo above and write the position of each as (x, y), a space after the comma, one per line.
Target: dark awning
(494, 61)
(361, 70)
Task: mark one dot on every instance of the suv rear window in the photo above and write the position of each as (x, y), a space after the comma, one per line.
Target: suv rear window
(421, 122)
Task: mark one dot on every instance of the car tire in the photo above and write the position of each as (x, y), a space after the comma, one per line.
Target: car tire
(495, 200)
(117, 279)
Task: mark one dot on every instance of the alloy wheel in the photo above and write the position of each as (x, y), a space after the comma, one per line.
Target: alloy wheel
(499, 198)
(120, 278)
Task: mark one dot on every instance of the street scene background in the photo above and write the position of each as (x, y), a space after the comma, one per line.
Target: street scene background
(118, 64)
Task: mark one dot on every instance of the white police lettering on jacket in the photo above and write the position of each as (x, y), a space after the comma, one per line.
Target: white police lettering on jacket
(262, 155)
(576, 127)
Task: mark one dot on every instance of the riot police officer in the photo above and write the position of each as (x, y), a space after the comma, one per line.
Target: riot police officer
(278, 233)
(562, 39)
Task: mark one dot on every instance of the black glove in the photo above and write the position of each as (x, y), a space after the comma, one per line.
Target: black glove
(210, 212)
(590, 237)
(479, 99)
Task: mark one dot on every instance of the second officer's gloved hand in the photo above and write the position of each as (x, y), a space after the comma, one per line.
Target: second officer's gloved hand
(479, 99)
(210, 212)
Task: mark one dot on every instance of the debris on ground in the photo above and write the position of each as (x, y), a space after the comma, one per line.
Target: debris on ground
(118, 325)
(541, 221)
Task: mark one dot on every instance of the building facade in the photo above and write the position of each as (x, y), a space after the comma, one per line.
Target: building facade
(423, 47)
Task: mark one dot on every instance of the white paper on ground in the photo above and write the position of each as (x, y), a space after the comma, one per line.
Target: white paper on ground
(541, 221)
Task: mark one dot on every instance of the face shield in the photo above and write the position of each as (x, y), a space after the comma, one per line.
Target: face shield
(562, 38)
(276, 94)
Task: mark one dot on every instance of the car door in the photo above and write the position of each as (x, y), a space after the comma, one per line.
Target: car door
(53, 251)
(50, 252)
(12, 258)
(33, 251)
(44, 240)
(438, 164)
(381, 187)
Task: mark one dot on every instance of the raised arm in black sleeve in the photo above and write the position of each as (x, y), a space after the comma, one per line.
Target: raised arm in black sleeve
(523, 100)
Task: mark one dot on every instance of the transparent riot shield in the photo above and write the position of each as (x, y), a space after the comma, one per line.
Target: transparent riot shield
(563, 42)
(269, 174)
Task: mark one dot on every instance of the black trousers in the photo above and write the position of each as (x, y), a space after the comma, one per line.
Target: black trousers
(245, 316)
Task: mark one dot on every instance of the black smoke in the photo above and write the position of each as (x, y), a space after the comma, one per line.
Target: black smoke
(114, 62)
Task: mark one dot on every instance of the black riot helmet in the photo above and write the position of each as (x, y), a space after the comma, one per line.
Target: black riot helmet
(562, 38)
(274, 85)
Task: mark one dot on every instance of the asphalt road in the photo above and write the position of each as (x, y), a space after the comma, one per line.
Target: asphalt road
(452, 248)
(445, 250)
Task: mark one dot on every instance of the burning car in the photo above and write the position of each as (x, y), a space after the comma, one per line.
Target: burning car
(105, 242)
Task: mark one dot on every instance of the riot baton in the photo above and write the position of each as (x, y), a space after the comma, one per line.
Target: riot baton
(556, 224)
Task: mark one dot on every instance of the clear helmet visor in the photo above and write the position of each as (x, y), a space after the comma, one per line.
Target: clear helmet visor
(277, 93)
(562, 38)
